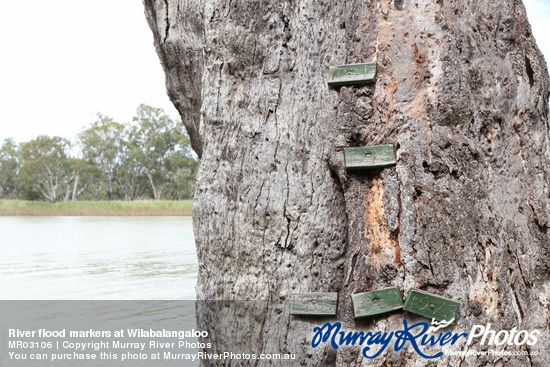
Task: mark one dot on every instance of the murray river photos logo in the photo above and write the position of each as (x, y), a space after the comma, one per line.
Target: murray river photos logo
(418, 335)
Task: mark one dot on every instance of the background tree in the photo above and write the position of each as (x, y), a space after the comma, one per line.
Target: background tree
(101, 144)
(462, 95)
(82, 173)
(182, 167)
(130, 177)
(118, 161)
(156, 138)
(182, 172)
(9, 167)
(44, 165)
(92, 177)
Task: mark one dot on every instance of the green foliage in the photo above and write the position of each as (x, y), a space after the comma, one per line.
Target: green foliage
(181, 182)
(9, 167)
(148, 158)
(101, 145)
(155, 137)
(32, 195)
(44, 165)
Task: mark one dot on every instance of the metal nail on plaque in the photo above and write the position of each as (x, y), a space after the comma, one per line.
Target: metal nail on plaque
(376, 302)
(431, 305)
(369, 157)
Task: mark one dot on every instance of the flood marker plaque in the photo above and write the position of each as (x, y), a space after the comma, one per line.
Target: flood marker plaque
(369, 157)
(352, 74)
(314, 304)
(431, 306)
(376, 302)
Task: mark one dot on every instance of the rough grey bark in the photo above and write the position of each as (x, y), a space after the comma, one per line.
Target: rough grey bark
(462, 94)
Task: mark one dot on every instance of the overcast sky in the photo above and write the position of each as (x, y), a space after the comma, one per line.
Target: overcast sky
(64, 60)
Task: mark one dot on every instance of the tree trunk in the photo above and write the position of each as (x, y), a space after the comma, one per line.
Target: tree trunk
(68, 188)
(49, 189)
(75, 187)
(157, 192)
(461, 93)
(109, 189)
(76, 194)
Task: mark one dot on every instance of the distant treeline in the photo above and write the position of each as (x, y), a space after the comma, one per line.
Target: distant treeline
(149, 158)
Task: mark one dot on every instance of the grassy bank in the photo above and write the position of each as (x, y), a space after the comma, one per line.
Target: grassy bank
(146, 207)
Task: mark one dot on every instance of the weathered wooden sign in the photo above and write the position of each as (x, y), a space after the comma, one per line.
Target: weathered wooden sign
(352, 74)
(314, 304)
(369, 157)
(376, 302)
(430, 305)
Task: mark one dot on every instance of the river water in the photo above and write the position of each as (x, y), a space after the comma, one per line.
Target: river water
(97, 258)
(100, 273)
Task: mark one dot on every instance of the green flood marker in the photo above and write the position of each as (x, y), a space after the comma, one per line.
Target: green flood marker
(369, 157)
(321, 304)
(431, 306)
(376, 302)
(352, 74)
